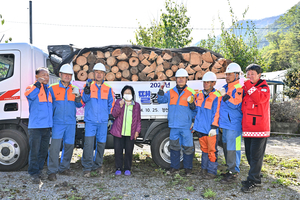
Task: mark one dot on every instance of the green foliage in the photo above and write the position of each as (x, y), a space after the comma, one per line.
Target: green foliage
(2, 23)
(292, 81)
(238, 43)
(171, 31)
(208, 193)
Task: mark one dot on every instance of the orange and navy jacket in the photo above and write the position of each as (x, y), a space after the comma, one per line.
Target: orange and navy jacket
(179, 113)
(64, 105)
(207, 111)
(230, 110)
(40, 106)
(99, 103)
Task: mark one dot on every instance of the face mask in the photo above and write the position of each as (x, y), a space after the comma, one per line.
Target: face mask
(127, 97)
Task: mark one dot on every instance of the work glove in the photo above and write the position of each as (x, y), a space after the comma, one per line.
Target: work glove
(222, 91)
(37, 84)
(87, 89)
(191, 99)
(75, 91)
(226, 97)
(161, 89)
(212, 132)
(111, 117)
(78, 99)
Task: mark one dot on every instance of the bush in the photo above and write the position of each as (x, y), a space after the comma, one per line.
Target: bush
(292, 81)
(288, 111)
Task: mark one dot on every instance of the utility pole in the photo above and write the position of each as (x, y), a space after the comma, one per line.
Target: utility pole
(30, 22)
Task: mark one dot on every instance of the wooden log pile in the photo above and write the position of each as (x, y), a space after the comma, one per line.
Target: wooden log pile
(129, 64)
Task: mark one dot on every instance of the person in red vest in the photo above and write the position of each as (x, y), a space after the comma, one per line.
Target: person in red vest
(255, 124)
(99, 100)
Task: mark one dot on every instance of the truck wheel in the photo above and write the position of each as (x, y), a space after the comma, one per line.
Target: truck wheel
(160, 149)
(14, 149)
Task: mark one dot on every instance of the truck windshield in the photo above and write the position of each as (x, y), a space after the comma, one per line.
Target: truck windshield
(6, 66)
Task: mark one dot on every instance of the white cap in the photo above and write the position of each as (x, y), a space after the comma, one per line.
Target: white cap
(209, 76)
(66, 68)
(99, 66)
(181, 73)
(233, 68)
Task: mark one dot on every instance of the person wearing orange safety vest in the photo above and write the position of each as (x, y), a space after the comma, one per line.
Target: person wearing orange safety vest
(40, 122)
(206, 125)
(180, 119)
(231, 121)
(66, 98)
(99, 100)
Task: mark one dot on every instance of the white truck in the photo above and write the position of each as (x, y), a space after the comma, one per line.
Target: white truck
(18, 62)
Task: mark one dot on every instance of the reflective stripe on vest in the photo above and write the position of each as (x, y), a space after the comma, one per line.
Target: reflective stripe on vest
(127, 120)
(59, 92)
(209, 101)
(183, 98)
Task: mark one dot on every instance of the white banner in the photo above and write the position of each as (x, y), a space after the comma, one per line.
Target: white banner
(146, 94)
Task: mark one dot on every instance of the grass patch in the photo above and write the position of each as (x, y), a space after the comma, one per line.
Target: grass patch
(190, 189)
(208, 193)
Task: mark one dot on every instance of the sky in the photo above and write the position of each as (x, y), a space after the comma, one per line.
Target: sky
(93, 23)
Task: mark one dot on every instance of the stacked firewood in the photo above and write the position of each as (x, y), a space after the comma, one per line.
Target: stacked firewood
(128, 64)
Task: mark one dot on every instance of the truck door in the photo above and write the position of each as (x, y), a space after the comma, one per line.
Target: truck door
(9, 84)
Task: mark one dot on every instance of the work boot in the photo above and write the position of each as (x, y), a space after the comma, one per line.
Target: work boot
(246, 182)
(87, 174)
(67, 172)
(230, 177)
(172, 171)
(248, 187)
(188, 172)
(35, 179)
(209, 176)
(203, 172)
(99, 170)
(43, 176)
(52, 177)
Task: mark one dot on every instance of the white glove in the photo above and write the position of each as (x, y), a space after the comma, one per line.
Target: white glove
(75, 91)
(190, 99)
(222, 91)
(212, 132)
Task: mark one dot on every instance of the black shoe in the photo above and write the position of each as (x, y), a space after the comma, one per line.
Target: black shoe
(52, 177)
(188, 172)
(203, 172)
(256, 184)
(248, 186)
(209, 176)
(230, 177)
(35, 179)
(172, 171)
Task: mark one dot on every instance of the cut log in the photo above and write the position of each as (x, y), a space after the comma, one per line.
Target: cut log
(141, 67)
(134, 70)
(151, 75)
(141, 57)
(214, 70)
(172, 78)
(123, 65)
(197, 68)
(100, 60)
(133, 61)
(118, 75)
(110, 76)
(186, 57)
(181, 66)
(214, 57)
(167, 65)
(81, 60)
(134, 54)
(124, 79)
(146, 62)
(207, 57)
(91, 66)
(174, 68)
(126, 74)
(116, 52)
(85, 68)
(161, 76)
(82, 75)
(134, 77)
(205, 65)
(146, 55)
(199, 75)
(107, 54)
(159, 60)
(91, 75)
(147, 70)
(191, 77)
(217, 65)
(143, 77)
(220, 75)
(127, 50)
(111, 61)
(114, 69)
(167, 56)
(195, 58)
(86, 54)
(123, 56)
(159, 68)
(107, 68)
(152, 56)
(76, 68)
(222, 61)
(176, 60)
(100, 54)
(169, 73)
(223, 69)
(189, 70)
(153, 66)
(91, 59)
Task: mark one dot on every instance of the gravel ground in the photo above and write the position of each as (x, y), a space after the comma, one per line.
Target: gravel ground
(148, 181)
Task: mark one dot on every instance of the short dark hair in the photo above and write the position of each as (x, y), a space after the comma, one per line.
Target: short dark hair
(38, 70)
(254, 67)
(131, 89)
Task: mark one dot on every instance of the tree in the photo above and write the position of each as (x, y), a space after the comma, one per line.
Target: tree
(238, 43)
(292, 81)
(171, 31)
(2, 23)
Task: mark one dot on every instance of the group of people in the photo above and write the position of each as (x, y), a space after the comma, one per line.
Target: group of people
(240, 111)
(54, 107)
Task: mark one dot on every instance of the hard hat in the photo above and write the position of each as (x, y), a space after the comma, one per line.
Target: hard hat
(209, 76)
(66, 68)
(99, 66)
(233, 68)
(181, 73)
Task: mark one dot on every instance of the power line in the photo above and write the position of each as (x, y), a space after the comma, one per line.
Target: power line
(124, 27)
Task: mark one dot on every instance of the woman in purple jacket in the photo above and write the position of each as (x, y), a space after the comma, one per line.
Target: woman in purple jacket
(125, 129)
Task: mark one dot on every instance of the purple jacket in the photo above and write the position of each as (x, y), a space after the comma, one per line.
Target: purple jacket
(118, 114)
